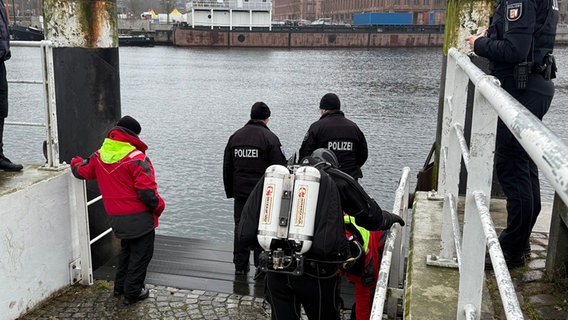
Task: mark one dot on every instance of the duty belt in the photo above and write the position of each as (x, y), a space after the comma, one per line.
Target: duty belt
(547, 70)
(505, 73)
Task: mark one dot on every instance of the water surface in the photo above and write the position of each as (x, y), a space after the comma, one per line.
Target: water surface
(189, 101)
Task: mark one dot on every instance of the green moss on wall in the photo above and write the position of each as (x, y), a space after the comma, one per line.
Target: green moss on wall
(91, 16)
(465, 17)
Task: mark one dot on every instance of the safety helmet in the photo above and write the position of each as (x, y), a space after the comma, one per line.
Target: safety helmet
(326, 155)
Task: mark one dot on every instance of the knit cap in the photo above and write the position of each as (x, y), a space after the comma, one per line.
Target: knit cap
(129, 123)
(259, 111)
(330, 101)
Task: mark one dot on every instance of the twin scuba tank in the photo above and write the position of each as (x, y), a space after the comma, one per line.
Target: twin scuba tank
(287, 217)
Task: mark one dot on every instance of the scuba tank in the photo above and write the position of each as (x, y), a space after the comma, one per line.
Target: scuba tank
(303, 213)
(287, 217)
(273, 193)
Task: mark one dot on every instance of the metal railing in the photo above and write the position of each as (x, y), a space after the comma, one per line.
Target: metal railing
(48, 85)
(104, 233)
(232, 4)
(548, 152)
(393, 258)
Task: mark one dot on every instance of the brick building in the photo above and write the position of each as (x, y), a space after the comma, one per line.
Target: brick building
(341, 11)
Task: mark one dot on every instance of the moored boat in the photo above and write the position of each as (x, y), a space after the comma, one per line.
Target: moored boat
(135, 40)
(26, 33)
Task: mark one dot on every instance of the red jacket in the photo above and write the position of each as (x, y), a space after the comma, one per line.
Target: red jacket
(126, 179)
(366, 282)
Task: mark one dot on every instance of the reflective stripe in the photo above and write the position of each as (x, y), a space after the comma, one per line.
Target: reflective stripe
(266, 233)
(135, 153)
(302, 237)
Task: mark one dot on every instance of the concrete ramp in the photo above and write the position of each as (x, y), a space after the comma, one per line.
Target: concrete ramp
(432, 292)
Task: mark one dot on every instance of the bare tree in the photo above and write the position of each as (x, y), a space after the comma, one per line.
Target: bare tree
(136, 7)
(168, 6)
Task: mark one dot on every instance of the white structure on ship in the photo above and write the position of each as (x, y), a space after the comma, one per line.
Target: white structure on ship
(230, 13)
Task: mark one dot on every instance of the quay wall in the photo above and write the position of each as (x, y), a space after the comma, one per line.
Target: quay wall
(268, 39)
(169, 34)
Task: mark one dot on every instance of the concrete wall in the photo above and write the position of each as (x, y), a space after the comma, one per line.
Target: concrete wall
(132, 24)
(224, 38)
(38, 239)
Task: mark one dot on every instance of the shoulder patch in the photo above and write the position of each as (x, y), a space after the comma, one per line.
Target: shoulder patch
(514, 11)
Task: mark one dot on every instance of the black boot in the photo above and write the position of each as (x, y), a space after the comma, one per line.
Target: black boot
(7, 165)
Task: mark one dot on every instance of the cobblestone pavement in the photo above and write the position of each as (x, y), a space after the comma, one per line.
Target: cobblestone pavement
(97, 303)
(540, 298)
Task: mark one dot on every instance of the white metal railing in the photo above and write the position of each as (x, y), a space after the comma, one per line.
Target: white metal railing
(48, 85)
(232, 4)
(104, 233)
(548, 152)
(393, 257)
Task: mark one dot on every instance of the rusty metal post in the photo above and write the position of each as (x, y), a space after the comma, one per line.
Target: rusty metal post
(87, 88)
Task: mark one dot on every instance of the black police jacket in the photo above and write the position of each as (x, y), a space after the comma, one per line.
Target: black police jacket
(520, 30)
(5, 52)
(249, 151)
(335, 132)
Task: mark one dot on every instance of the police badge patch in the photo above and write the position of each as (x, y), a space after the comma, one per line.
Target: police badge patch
(514, 11)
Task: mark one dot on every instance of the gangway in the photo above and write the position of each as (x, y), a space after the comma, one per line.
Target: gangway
(459, 242)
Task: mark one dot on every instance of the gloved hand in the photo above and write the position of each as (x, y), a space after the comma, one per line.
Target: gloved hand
(76, 161)
(389, 219)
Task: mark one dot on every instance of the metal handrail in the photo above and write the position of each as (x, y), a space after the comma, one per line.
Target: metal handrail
(505, 284)
(548, 152)
(401, 207)
(48, 86)
(100, 236)
(104, 233)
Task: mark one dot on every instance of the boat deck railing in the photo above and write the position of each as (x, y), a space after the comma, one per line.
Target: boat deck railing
(550, 154)
(47, 83)
(233, 5)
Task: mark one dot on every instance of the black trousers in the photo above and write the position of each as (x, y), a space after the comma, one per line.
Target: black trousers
(286, 293)
(241, 254)
(133, 260)
(518, 176)
(3, 102)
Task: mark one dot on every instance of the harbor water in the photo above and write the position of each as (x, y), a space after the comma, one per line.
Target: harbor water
(189, 101)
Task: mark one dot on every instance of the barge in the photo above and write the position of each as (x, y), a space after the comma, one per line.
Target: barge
(324, 36)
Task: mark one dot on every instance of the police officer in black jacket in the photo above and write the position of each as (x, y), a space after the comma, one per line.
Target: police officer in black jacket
(519, 46)
(335, 132)
(5, 54)
(248, 153)
(317, 288)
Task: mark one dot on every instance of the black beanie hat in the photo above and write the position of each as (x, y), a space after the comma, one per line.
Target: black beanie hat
(129, 123)
(330, 102)
(259, 111)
